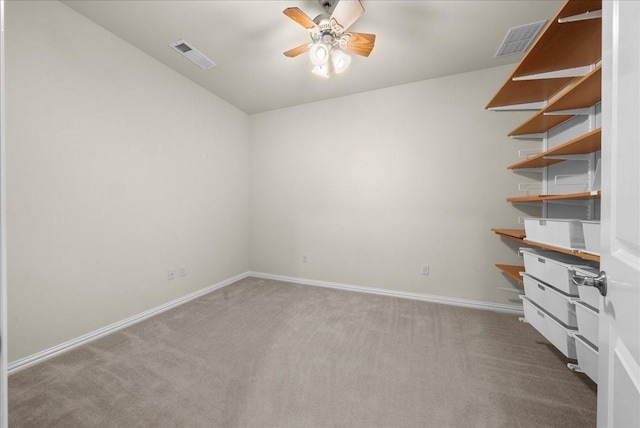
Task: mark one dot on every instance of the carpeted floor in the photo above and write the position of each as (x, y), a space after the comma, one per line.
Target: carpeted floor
(263, 353)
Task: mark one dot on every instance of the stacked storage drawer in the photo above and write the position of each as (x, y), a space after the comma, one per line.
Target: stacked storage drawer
(580, 235)
(562, 233)
(554, 306)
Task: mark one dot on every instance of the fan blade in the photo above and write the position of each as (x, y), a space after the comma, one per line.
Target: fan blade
(345, 14)
(300, 17)
(297, 51)
(360, 43)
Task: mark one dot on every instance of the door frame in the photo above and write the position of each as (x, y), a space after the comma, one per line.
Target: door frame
(4, 416)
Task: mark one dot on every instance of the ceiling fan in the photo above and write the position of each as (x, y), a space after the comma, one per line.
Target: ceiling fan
(329, 39)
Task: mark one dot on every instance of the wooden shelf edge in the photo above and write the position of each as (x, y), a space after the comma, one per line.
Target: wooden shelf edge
(584, 144)
(519, 235)
(568, 196)
(576, 253)
(512, 271)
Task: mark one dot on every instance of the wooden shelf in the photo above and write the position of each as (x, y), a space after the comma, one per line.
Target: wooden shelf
(519, 236)
(540, 123)
(584, 93)
(567, 196)
(559, 47)
(576, 253)
(512, 271)
(584, 144)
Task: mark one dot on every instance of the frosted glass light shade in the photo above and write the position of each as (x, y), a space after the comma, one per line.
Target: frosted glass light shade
(319, 54)
(340, 61)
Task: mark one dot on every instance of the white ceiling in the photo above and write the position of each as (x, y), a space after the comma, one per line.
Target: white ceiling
(416, 40)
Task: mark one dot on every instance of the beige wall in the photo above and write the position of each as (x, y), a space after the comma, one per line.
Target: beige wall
(118, 169)
(372, 186)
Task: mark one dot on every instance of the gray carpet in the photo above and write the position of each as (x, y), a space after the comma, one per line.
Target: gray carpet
(263, 353)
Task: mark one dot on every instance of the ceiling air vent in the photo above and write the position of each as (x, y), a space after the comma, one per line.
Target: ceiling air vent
(192, 54)
(518, 39)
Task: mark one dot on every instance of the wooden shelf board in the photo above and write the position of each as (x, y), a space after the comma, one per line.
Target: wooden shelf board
(527, 91)
(568, 196)
(559, 47)
(539, 123)
(584, 93)
(576, 253)
(584, 144)
(519, 235)
(512, 271)
(537, 161)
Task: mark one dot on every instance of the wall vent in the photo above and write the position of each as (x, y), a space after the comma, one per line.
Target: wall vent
(518, 39)
(192, 54)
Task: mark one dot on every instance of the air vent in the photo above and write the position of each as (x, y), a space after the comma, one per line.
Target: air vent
(518, 39)
(192, 54)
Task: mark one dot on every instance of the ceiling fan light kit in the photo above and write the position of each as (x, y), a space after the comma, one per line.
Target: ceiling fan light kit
(330, 41)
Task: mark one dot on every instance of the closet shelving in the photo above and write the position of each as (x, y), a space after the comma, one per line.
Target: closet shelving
(558, 48)
(519, 236)
(561, 78)
(582, 94)
(584, 144)
(513, 272)
(593, 194)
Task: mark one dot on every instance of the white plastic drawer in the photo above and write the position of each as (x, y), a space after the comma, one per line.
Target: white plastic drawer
(552, 268)
(589, 295)
(553, 330)
(554, 301)
(588, 322)
(591, 230)
(562, 233)
(587, 355)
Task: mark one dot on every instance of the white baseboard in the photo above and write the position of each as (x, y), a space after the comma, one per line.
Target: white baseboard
(86, 338)
(476, 304)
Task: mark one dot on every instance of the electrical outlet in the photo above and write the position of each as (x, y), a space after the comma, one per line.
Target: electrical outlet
(182, 270)
(425, 269)
(171, 274)
(304, 258)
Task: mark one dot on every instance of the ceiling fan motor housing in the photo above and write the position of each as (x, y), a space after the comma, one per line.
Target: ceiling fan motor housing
(323, 32)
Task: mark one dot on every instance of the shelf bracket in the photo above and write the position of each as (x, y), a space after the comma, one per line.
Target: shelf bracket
(572, 112)
(527, 187)
(592, 14)
(539, 136)
(557, 74)
(574, 203)
(526, 153)
(585, 157)
(538, 105)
